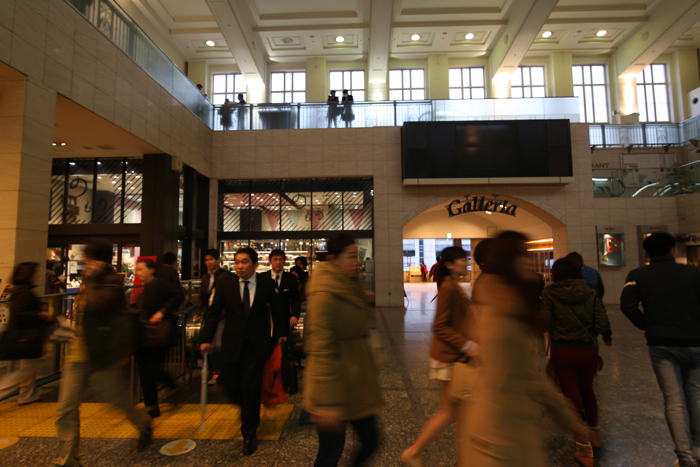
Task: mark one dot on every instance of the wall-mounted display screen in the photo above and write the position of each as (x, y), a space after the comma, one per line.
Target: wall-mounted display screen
(504, 148)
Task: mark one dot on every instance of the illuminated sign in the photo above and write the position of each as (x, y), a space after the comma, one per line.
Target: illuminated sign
(481, 204)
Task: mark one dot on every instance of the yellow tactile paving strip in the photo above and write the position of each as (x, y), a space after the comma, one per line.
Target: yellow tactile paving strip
(99, 420)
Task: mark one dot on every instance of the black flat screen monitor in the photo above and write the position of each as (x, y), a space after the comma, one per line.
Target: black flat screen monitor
(487, 149)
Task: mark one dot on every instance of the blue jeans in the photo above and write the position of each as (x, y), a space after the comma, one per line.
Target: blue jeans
(677, 371)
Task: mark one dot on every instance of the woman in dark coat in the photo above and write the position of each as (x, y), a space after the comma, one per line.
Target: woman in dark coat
(158, 302)
(24, 338)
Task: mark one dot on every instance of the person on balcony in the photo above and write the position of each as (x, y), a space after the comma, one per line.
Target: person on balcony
(226, 112)
(333, 110)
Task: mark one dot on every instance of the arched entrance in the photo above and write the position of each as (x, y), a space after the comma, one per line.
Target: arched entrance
(466, 220)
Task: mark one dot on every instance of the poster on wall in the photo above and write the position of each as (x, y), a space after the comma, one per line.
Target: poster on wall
(611, 245)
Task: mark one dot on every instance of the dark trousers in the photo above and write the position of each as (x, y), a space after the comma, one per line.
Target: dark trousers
(331, 443)
(150, 360)
(243, 384)
(575, 370)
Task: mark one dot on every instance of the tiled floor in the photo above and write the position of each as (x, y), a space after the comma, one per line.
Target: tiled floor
(631, 412)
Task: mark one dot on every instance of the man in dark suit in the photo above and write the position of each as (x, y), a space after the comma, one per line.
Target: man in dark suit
(287, 286)
(247, 301)
(209, 281)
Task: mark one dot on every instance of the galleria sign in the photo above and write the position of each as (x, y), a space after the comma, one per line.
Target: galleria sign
(481, 204)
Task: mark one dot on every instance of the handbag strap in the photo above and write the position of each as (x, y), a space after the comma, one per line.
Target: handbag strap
(595, 341)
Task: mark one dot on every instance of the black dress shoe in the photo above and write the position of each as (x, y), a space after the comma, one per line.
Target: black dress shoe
(154, 413)
(250, 446)
(144, 440)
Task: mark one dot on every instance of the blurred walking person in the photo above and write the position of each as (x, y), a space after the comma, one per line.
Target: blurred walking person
(575, 317)
(104, 341)
(454, 336)
(24, 338)
(503, 426)
(157, 303)
(341, 380)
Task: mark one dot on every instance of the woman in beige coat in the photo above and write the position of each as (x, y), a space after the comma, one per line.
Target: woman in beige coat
(340, 380)
(502, 427)
(454, 336)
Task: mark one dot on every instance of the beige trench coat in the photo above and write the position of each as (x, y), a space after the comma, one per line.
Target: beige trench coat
(502, 422)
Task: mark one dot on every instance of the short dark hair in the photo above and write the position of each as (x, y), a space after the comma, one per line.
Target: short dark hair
(303, 260)
(99, 250)
(169, 258)
(450, 255)
(345, 91)
(148, 262)
(566, 268)
(577, 256)
(213, 252)
(277, 252)
(338, 242)
(481, 252)
(199, 86)
(659, 244)
(23, 272)
(252, 254)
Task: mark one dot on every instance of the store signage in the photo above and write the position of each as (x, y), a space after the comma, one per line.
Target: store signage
(481, 204)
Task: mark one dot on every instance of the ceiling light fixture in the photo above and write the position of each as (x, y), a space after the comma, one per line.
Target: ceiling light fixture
(547, 34)
(601, 33)
(340, 39)
(415, 37)
(210, 43)
(469, 36)
(287, 40)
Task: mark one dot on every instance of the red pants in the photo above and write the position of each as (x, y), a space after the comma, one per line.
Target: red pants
(575, 370)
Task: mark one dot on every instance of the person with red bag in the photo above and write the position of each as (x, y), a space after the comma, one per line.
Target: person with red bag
(576, 317)
(246, 301)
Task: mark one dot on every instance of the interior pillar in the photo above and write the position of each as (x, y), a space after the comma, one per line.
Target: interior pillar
(685, 78)
(561, 79)
(27, 117)
(438, 77)
(316, 80)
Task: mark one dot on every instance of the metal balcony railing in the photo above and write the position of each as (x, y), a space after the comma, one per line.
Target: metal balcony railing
(646, 183)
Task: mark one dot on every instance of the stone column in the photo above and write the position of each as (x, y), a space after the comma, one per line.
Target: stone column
(438, 77)
(316, 80)
(561, 80)
(198, 73)
(27, 116)
(684, 78)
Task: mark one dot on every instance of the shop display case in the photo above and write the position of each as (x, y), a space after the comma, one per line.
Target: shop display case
(611, 245)
(292, 248)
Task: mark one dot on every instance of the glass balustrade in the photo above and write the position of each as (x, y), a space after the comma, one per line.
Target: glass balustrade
(116, 25)
(645, 183)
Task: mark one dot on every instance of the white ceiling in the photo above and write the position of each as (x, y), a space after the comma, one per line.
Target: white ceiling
(312, 25)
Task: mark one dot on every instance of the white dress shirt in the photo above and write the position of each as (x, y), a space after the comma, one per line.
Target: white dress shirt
(251, 287)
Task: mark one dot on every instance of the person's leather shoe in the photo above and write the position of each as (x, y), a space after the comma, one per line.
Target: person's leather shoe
(22, 404)
(154, 413)
(250, 446)
(144, 440)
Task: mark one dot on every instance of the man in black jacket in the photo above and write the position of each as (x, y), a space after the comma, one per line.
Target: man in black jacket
(286, 284)
(247, 301)
(670, 295)
(168, 270)
(104, 335)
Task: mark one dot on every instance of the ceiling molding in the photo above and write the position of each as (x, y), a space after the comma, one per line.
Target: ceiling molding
(308, 15)
(450, 24)
(641, 19)
(186, 31)
(194, 19)
(317, 27)
(451, 11)
(601, 7)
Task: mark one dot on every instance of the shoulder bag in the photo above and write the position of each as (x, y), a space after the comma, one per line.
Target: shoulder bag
(465, 375)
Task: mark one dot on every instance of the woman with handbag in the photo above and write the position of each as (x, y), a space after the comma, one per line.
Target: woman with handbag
(341, 382)
(454, 336)
(576, 316)
(24, 338)
(504, 427)
(157, 304)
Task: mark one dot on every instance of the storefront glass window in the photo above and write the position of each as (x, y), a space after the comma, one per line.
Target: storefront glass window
(133, 191)
(80, 192)
(58, 191)
(296, 202)
(108, 196)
